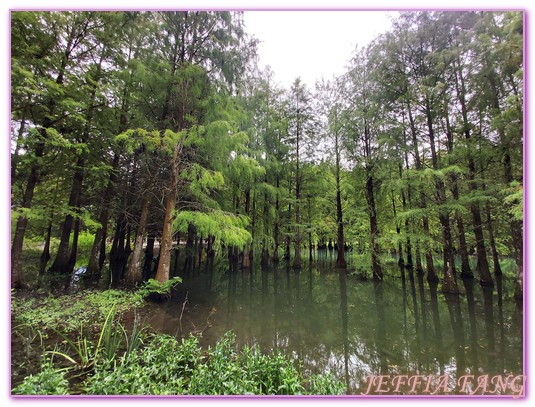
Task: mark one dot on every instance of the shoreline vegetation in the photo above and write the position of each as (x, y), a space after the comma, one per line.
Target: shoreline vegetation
(148, 144)
(82, 350)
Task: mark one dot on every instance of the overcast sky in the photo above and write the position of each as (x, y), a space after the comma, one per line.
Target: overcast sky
(312, 44)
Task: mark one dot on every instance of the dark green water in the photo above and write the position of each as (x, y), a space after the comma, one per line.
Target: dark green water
(337, 322)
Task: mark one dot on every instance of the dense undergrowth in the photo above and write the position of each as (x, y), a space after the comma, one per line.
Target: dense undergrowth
(93, 353)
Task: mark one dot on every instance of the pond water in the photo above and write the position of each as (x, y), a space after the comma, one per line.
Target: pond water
(337, 322)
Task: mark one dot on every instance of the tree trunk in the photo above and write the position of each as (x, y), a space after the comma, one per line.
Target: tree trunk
(276, 226)
(340, 260)
(265, 248)
(449, 284)
(466, 272)
(401, 262)
(149, 256)
(118, 253)
(134, 272)
(17, 274)
(408, 250)
(482, 262)
(200, 248)
(177, 253)
(210, 248)
(309, 222)
(61, 262)
(15, 157)
(246, 258)
(430, 267)
(162, 273)
(45, 255)
(495, 258)
(297, 247)
(449, 278)
(190, 242)
(408, 245)
(95, 262)
(374, 230)
(74, 248)
(288, 239)
(429, 264)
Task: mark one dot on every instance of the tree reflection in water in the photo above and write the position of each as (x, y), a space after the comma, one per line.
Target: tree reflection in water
(336, 321)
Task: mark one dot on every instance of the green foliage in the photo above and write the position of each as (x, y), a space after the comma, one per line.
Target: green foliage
(111, 339)
(325, 384)
(49, 381)
(160, 368)
(166, 366)
(152, 286)
(225, 227)
(515, 200)
(68, 312)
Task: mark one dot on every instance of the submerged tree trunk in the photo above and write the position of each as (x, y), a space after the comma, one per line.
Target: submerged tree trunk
(482, 262)
(418, 253)
(374, 230)
(466, 271)
(430, 267)
(309, 221)
(429, 264)
(287, 254)
(246, 258)
(401, 262)
(449, 282)
(276, 226)
(177, 253)
(190, 242)
(340, 260)
(492, 242)
(297, 247)
(265, 248)
(408, 246)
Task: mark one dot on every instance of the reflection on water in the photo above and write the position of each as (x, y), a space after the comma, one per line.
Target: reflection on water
(334, 321)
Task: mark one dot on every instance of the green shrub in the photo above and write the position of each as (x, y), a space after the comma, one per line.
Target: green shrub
(69, 312)
(49, 381)
(162, 367)
(154, 287)
(166, 366)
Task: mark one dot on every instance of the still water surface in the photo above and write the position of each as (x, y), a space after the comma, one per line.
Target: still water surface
(337, 322)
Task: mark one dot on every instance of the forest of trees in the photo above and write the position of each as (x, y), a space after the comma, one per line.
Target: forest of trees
(130, 128)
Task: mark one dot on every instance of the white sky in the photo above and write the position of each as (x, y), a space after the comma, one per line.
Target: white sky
(312, 44)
